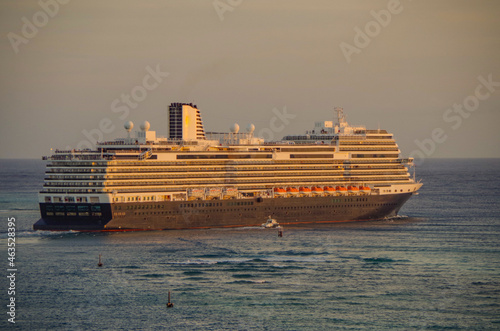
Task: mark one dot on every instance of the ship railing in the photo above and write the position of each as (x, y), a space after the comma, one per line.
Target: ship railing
(146, 154)
(377, 131)
(408, 161)
(77, 151)
(351, 136)
(110, 143)
(71, 157)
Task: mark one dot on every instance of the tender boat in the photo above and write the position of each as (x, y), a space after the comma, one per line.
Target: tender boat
(270, 223)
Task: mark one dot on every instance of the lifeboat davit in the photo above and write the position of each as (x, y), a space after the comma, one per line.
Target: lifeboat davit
(329, 189)
(317, 190)
(341, 190)
(305, 190)
(279, 191)
(292, 190)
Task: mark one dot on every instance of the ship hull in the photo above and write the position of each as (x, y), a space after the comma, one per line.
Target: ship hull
(169, 215)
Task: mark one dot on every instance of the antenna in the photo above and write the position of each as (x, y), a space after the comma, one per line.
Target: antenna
(341, 118)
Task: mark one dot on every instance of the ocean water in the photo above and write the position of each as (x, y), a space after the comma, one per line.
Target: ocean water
(436, 266)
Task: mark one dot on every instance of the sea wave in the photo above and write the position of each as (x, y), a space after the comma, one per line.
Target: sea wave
(377, 260)
(154, 275)
(47, 234)
(396, 217)
(246, 281)
(253, 260)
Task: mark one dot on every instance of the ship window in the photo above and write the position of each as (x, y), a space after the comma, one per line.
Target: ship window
(49, 208)
(48, 199)
(96, 208)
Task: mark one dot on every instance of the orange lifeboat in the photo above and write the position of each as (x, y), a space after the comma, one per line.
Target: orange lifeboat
(305, 190)
(365, 189)
(279, 191)
(341, 190)
(353, 189)
(317, 190)
(329, 189)
(292, 190)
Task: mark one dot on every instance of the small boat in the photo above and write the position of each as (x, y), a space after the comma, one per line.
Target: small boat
(169, 304)
(353, 189)
(341, 190)
(213, 192)
(329, 190)
(196, 192)
(279, 191)
(292, 190)
(305, 190)
(317, 190)
(365, 189)
(230, 192)
(270, 223)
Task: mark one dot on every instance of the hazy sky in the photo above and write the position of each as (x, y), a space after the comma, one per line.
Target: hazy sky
(424, 70)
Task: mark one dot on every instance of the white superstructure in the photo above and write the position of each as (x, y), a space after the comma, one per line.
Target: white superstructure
(191, 164)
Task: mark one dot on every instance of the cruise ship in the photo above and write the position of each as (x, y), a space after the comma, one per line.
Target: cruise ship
(196, 179)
